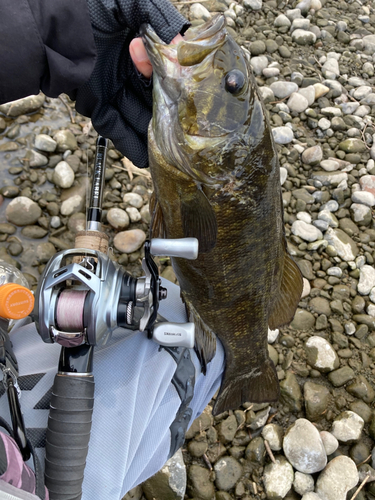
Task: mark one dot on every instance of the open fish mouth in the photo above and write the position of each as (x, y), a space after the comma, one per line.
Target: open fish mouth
(198, 43)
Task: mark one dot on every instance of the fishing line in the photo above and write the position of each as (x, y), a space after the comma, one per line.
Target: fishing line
(69, 310)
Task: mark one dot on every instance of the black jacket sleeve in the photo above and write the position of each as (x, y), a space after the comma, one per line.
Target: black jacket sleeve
(45, 45)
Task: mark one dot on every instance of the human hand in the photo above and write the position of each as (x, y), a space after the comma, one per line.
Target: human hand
(116, 98)
(140, 58)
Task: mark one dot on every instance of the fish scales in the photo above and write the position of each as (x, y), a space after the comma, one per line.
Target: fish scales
(216, 177)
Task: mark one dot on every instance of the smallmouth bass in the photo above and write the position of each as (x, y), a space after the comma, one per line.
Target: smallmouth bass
(216, 177)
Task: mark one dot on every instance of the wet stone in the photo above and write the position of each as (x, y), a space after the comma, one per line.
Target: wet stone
(362, 409)
(361, 389)
(358, 304)
(306, 231)
(274, 434)
(343, 244)
(73, 204)
(44, 142)
(15, 248)
(317, 398)
(347, 427)
(34, 232)
(170, 482)
(10, 191)
(22, 211)
(304, 448)
(197, 448)
(63, 175)
(23, 106)
(129, 241)
(321, 355)
(366, 279)
(65, 141)
(290, 392)
(278, 478)
(341, 376)
(303, 320)
(303, 483)
(330, 443)
(306, 269)
(320, 305)
(359, 452)
(118, 218)
(199, 483)
(256, 451)
(228, 471)
(282, 135)
(361, 214)
(337, 479)
(227, 429)
(365, 319)
(6, 228)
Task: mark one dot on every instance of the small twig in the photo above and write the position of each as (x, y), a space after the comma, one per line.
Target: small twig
(68, 108)
(367, 459)
(317, 62)
(271, 417)
(248, 409)
(255, 488)
(250, 435)
(208, 463)
(360, 486)
(269, 451)
(363, 136)
(281, 100)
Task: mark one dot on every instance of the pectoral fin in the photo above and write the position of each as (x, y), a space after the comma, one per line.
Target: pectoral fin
(290, 294)
(157, 229)
(198, 219)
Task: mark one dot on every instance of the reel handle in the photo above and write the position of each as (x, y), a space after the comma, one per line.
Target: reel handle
(186, 248)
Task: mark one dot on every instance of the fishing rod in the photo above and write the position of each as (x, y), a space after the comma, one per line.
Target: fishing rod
(82, 296)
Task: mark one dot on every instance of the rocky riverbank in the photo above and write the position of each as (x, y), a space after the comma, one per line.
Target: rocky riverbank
(314, 64)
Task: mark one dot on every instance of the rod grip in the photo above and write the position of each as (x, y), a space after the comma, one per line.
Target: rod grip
(68, 435)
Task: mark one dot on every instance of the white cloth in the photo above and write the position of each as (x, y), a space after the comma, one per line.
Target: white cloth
(135, 402)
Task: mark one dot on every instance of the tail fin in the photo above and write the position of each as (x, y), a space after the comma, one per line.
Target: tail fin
(260, 385)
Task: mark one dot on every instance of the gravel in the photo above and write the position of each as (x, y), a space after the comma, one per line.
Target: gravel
(314, 64)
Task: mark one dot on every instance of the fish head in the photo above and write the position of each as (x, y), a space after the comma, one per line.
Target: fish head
(203, 92)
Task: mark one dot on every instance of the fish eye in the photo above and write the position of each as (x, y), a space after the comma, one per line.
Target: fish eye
(234, 81)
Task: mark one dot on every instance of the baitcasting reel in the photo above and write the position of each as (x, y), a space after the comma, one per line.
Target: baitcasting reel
(83, 296)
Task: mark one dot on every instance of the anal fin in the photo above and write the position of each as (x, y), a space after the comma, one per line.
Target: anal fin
(289, 295)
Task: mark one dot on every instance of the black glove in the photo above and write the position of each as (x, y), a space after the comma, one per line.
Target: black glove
(117, 98)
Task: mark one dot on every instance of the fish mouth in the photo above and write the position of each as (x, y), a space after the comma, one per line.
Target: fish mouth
(197, 44)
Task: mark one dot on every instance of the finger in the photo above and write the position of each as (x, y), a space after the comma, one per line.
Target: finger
(139, 55)
(140, 58)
